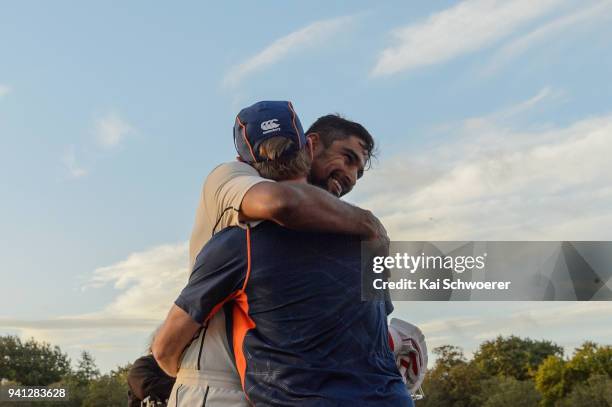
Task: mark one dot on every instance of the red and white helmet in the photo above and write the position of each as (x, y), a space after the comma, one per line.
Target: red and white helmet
(410, 350)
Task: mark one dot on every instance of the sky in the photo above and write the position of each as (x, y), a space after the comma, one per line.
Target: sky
(493, 121)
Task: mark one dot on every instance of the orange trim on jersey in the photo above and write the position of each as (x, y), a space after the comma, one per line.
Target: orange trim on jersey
(237, 293)
(293, 116)
(242, 325)
(221, 304)
(246, 140)
(241, 319)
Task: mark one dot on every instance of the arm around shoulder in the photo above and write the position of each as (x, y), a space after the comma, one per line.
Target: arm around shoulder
(305, 207)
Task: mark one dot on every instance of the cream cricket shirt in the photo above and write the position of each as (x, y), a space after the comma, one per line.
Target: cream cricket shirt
(220, 202)
(209, 355)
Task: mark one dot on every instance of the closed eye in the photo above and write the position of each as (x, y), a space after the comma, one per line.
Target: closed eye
(353, 159)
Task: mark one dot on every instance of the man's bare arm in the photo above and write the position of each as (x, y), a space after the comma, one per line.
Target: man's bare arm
(305, 207)
(174, 335)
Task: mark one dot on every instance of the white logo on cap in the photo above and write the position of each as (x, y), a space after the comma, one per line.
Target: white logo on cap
(270, 125)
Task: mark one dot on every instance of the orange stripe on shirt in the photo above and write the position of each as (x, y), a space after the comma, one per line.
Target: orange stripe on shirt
(222, 303)
(237, 293)
(241, 319)
(242, 325)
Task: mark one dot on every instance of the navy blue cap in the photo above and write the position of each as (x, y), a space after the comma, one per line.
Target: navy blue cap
(264, 120)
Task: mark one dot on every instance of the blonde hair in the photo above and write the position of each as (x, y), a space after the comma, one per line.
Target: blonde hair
(280, 165)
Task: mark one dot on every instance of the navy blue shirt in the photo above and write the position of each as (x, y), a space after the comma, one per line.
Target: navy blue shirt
(301, 334)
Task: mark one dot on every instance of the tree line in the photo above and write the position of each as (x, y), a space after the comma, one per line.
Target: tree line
(506, 371)
(512, 371)
(33, 363)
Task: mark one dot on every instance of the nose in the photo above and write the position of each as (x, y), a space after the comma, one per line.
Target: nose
(349, 179)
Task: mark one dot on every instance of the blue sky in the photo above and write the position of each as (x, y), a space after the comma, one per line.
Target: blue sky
(493, 120)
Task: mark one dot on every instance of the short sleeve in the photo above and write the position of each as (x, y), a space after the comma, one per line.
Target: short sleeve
(220, 201)
(219, 272)
(224, 190)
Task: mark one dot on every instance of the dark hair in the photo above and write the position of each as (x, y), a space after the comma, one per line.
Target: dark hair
(334, 127)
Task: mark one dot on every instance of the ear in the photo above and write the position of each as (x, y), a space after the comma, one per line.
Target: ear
(310, 148)
(314, 140)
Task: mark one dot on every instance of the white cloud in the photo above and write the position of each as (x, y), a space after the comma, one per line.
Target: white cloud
(69, 160)
(509, 115)
(109, 132)
(491, 181)
(4, 90)
(82, 322)
(464, 28)
(148, 283)
(544, 94)
(295, 42)
(111, 129)
(552, 30)
(545, 318)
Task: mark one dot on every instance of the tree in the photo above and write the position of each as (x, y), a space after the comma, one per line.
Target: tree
(86, 368)
(501, 391)
(31, 363)
(514, 356)
(595, 392)
(78, 381)
(448, 356)
(452, 382)
(589, 359)
(557, 378)
(108, 390)
(549, 380)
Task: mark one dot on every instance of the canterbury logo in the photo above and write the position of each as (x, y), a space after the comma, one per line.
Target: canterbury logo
(270, 125)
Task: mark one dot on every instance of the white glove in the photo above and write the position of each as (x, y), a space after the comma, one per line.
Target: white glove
(408, 345)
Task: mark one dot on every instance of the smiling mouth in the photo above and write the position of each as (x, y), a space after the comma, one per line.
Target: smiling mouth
(335, 187)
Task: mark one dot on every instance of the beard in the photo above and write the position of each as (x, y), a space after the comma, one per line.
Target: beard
(325, 180)
(317, 182)
(328, 183)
